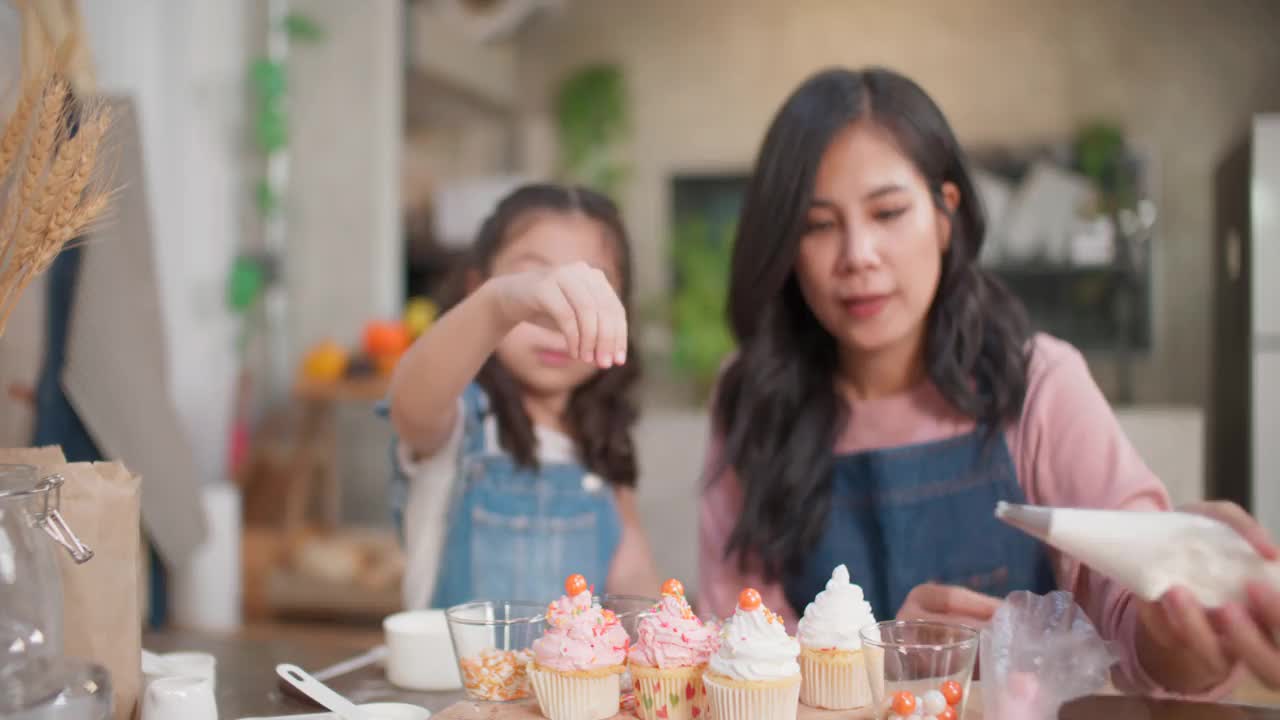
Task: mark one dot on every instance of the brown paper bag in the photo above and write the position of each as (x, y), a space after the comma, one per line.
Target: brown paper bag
(102, 503)
(101, 618)
(44, 458)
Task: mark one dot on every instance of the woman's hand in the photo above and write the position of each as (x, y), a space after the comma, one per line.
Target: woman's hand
(948, 603)
(1189, 648)
(576, 300)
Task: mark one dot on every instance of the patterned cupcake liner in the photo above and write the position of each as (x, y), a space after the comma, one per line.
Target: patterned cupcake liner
(670, 694)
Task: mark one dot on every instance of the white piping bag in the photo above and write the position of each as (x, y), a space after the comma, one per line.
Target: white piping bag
(1151, 552)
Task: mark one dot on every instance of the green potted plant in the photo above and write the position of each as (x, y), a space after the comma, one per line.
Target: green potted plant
(591, 119)
(701, 337)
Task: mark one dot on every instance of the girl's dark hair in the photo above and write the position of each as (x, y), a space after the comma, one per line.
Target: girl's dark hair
(777, 407)
(601, 411)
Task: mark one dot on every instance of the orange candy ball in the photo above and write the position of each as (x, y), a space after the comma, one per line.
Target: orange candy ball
(948, 714)
(750, 599)
(575, 585)
(952, 691)
(904, 703)
(673, 587)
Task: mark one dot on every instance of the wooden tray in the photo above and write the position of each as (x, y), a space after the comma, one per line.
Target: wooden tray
(528, 710)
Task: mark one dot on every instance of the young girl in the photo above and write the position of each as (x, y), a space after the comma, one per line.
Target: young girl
(888, 392)
(513, 414)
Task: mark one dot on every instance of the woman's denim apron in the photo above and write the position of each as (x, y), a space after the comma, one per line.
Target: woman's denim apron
(904, 516)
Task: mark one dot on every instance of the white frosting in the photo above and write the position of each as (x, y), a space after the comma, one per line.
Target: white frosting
(754, 649)
(835, 617)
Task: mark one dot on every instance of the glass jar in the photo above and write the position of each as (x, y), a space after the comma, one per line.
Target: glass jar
(30, 584)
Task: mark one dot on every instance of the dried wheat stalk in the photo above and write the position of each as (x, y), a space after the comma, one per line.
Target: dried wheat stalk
(15, 130)
(50, 181)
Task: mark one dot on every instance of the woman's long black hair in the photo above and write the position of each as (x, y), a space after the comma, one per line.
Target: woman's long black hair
(601, 411)
(777, 407)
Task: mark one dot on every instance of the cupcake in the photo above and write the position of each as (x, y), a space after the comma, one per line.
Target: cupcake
(669, 658)
(578, 662)
(754, 674)
(831, 657)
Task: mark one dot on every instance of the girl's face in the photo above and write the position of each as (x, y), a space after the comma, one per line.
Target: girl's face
(871, 254)
(535, 355)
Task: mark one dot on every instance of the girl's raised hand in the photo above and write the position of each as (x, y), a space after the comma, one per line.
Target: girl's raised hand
(576, 300)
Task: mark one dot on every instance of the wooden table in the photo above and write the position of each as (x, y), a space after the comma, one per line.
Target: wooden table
(247, 684)
(529, 711)
(247, 681)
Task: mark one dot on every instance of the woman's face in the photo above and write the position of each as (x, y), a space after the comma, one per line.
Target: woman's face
(871, 254)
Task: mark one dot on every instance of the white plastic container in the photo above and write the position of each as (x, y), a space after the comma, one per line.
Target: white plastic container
(419, 651)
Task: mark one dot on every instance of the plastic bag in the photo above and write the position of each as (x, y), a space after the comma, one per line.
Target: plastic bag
(1039, 652)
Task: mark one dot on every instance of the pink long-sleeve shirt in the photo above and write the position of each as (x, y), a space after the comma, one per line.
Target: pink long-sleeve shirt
(1068, 450)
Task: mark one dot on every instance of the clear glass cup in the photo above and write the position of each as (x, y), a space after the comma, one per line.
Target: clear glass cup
(493, 642)
(920, 659)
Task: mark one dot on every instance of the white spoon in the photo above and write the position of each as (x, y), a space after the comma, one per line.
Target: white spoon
(321, 693)
(358, 662)
(392, 711)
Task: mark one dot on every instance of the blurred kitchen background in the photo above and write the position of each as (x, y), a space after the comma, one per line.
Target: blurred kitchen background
(312, 169)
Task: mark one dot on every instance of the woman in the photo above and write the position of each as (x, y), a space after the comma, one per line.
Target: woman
(888, 393)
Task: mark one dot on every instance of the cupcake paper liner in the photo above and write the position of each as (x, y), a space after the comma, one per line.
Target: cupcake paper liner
(576, 696)
(735, 700)
(834, 680)
(670, 693)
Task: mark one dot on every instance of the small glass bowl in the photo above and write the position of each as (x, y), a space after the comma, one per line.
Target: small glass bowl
(629, 609)
(923, 659)
(493, 642)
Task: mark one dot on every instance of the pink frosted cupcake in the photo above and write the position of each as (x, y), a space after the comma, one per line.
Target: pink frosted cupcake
(577, 664)
(668, 660)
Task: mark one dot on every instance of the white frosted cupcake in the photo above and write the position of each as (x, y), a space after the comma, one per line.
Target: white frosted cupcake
(831, 657)
(754, 675)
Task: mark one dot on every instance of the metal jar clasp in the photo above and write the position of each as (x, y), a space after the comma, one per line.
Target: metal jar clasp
(51, 521)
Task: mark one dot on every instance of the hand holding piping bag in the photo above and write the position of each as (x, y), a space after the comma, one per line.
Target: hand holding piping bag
(1207, 578)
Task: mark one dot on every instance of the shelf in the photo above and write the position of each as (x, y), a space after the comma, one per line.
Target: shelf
(366, 389)
(1083, 305)
(1046, 270)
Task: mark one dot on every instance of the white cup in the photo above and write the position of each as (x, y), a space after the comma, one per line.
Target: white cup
(181, 664)
(179, 698)
(193, 664)
(419, 651)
